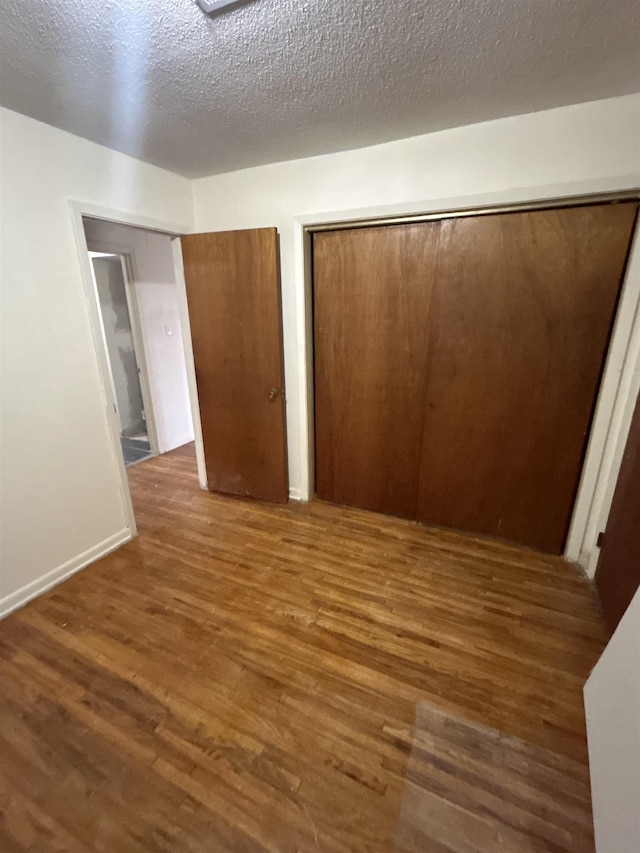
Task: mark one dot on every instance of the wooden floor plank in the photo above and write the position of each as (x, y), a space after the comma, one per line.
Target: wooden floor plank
(244, 676)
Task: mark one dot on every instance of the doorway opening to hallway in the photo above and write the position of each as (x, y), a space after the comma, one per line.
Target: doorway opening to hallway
(109, 273)
(138, 299)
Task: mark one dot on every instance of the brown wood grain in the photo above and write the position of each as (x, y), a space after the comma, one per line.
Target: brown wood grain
(520, 324)
(458, 362)
(618, 572)
(233, 293)
(246, 676)
(372, 290)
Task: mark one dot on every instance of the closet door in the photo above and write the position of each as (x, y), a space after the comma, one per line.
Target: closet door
(372, 290)
(521, 317)
(457, 365)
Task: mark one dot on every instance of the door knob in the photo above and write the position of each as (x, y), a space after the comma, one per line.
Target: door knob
(274, 393)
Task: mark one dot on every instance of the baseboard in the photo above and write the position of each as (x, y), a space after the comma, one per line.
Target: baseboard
(295, 495)
(21, 596)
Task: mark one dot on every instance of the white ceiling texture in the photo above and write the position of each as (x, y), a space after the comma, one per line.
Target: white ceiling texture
(273, 80)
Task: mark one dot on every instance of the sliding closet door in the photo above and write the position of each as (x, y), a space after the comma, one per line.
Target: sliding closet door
(372, 289)
(521, 318)
(458, 362)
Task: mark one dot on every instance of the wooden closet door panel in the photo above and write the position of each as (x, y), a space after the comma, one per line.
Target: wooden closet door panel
(618, 573)
(520, 321)
(233, 293)
(372, 290)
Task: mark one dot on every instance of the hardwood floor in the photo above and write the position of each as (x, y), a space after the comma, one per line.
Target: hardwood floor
(248, 677)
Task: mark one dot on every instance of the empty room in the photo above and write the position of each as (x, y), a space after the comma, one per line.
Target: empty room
(320, 426)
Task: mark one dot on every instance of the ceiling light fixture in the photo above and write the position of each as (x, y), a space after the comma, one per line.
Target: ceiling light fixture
(209, 6)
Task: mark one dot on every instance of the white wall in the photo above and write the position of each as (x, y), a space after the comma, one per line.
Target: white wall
(612, 708)
(156, 295)
(60, 499)
(591, 147)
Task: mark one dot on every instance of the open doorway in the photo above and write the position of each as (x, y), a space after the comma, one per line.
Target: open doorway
(115, 297)
(135, 289)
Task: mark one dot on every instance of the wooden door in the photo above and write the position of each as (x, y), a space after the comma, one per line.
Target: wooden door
(372, 289)
(618, 573)
(520, 323)
(233, 293)
(457, 365)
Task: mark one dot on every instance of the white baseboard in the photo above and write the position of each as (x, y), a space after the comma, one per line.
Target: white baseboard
(295, 495)
(21, 596)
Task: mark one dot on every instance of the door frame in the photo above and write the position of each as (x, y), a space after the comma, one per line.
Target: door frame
(621, 375)
(78, 210)
(181, 284)
(127, 263)
(624, 387)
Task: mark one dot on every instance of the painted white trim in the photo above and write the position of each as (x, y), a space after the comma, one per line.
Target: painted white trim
(304, 344)
(519, 195)
(626, 379)
(612, 400)
(178, 263)
(579, 547)
(122, 217)
(21, 596)
(78, 210)
(127, 255)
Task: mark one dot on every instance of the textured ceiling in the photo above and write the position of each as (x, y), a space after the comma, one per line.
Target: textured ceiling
(279, 79)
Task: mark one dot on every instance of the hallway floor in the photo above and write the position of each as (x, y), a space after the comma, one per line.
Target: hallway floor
(135, 448)
(248, 677)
